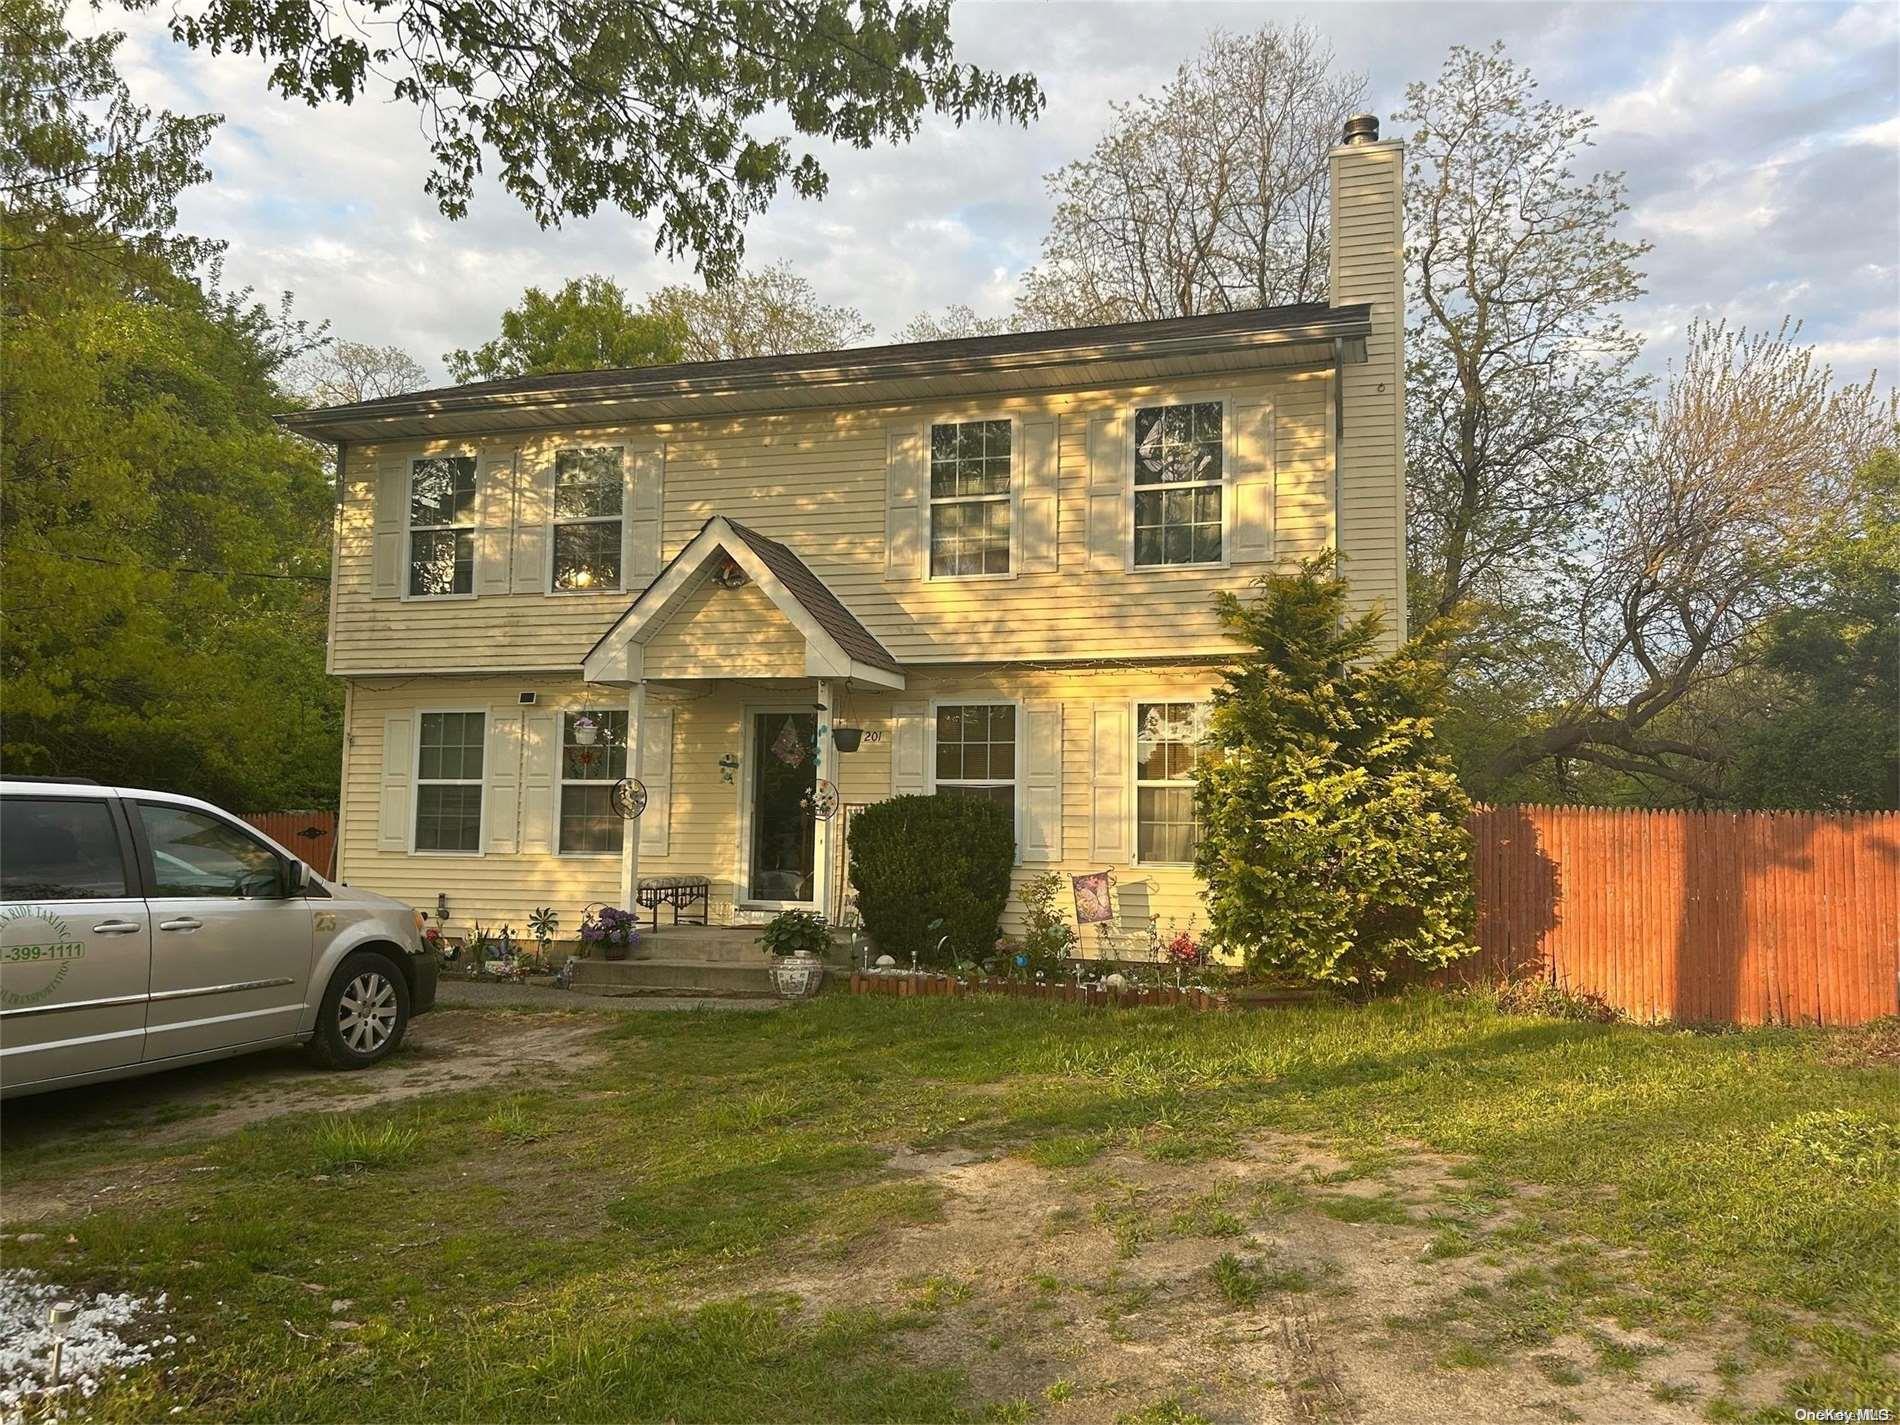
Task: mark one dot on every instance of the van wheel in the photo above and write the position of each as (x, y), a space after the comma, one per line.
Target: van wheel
(365, 1012)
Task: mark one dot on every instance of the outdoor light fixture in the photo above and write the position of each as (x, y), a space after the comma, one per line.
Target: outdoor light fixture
(442, 907)
(59, 1320)
(728, 765)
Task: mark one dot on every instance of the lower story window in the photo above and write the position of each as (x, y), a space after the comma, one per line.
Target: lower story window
(449, 782)
(593, 758)
(1166, 828)
(976, 752)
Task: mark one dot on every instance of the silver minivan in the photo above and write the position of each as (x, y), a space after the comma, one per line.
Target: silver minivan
(140, 931)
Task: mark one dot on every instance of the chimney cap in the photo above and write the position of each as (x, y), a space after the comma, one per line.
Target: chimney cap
(1362, 128)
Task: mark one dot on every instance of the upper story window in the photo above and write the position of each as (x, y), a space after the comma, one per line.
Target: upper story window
(976, 751)
(1178, 474)
(1166, 826)
(449, 781)
(442, 525)
(969, 498)
(588, 491)
(589, 769)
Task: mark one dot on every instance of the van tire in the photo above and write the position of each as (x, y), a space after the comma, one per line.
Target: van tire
(369, 1026)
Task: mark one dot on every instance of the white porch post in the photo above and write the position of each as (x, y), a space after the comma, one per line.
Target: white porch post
(826, 772)
(630, 830)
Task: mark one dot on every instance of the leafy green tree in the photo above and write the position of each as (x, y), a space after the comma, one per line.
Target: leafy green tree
(655, 107)
(1521, 378)
(1831, 735)
(164, 545)
(1333, 831)
(586, 326)
(81, 165)
(771, 311)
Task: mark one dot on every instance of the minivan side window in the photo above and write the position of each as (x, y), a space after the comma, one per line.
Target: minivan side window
(198, 855)
(59, 851)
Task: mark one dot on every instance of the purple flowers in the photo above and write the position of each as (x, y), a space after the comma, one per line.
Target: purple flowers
(604, 925)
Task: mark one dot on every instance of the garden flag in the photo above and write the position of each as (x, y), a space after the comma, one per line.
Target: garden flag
(1091, 898)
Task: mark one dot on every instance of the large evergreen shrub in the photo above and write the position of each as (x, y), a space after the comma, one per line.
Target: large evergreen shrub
(1333, 831)
(945, 858)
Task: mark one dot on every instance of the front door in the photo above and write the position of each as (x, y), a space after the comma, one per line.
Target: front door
(781, 833)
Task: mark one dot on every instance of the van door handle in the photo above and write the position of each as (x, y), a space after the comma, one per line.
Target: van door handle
(183, 922)
(116, 927)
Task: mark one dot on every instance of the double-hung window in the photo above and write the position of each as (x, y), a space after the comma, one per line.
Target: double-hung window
(1178, 471)
(589, 769)
(442, 525)
(449, 781)
(1166, 735)
(588, 490)
(976, 752)
(969, 498)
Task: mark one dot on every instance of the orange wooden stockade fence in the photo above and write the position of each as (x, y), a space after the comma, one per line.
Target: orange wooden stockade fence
(311, 834)
(1731, 917)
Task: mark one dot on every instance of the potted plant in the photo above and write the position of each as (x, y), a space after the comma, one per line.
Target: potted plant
(797, 939)
(613, 932)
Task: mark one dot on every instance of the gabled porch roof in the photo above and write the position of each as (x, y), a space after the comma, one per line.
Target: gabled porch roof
(837, 645)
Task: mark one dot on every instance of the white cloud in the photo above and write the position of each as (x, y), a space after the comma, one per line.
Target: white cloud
(1761, 144)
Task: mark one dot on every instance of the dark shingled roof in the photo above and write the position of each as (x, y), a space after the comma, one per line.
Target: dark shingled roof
(818, 600)
(1296, 321)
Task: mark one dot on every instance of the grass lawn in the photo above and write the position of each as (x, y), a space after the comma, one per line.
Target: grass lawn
(878, 1209)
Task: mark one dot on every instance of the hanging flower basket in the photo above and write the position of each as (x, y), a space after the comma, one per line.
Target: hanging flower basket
(847, 739)
(586, 730)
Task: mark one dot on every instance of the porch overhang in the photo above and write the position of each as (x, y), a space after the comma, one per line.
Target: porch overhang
(836, 644)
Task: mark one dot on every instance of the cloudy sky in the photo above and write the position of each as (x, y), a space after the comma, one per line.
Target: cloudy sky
(1762, 144)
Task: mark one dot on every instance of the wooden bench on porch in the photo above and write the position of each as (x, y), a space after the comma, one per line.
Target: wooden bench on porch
(676, 891)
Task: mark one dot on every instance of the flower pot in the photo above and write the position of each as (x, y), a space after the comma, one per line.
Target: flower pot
(797, 976)
(846, 739)
(611, 951)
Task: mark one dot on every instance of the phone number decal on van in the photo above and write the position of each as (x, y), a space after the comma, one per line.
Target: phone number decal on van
(29, 936)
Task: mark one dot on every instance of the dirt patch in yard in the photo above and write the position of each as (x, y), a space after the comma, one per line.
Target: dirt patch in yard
(445, 1051)
(1226, 1289)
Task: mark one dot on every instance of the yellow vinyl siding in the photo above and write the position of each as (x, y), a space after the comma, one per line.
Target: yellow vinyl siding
(726, 633)
(1368, 258)
(818, 482)
(703, 820)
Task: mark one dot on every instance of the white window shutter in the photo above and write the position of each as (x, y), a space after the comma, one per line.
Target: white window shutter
(907, 749)
(540, 733)
(1251, 482)
(1038, 502)
(393, 813)
(656, 775)
(535, 508)
(904, 532)
(495, 519)
(640, 520)
(391, 486)
(1109, 755)
(1042, 782)
(1110, 512)
(502, 816)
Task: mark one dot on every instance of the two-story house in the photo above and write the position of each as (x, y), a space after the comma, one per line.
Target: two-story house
(995, 557)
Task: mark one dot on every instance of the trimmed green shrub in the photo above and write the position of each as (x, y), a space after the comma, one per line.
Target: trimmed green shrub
(1333, 836)
(918, 860)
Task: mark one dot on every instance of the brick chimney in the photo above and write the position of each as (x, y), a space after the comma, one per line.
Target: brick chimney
(1368, 265)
